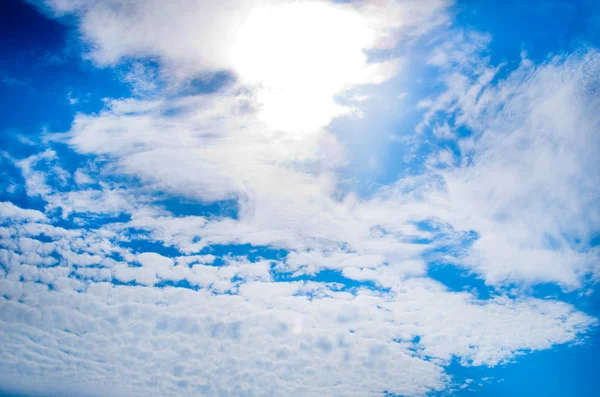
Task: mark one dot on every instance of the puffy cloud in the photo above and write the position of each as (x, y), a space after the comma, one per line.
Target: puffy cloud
(531, 225)
(148, 302)
(265, 341)
(240, 331)
(295, 55)
(9, 211)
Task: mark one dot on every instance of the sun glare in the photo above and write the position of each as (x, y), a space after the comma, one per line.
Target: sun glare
(298, 56)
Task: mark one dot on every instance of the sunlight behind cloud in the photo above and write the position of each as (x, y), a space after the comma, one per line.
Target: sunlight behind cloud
(299, 55)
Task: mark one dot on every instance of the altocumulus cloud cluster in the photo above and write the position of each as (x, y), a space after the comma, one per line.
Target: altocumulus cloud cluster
(285, 278)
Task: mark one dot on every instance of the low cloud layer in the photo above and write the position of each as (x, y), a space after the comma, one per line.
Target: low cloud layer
(281, 280)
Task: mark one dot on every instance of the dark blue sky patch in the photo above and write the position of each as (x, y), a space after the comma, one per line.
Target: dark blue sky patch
(586, 299)
(567, 370)
(460, 280)
(180, 206)
(139, 245)
(537, 27)
(25, 31)
(454, 277)
(40, 73)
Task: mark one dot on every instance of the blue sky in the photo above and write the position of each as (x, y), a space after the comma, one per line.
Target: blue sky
(247, 198)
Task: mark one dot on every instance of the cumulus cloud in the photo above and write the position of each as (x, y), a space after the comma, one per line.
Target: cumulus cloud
(523, 180)
(265, 338)
(147, 300)
(296, 55)
(11, 212)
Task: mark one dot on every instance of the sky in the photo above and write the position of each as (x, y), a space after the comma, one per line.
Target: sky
(299, 198)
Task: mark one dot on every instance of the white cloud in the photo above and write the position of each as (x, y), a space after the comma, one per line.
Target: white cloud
(295, 55)
(262, 141)
(230, 344)
(533, 225)
(82, 178)
(9, 211)
(240, 332)
(526, 182)
(44, 177)
(268, 340)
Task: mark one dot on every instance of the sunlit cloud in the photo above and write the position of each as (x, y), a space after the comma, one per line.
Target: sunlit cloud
(203, 230)
(299, 55)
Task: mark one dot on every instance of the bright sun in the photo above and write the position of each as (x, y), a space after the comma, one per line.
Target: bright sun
(299, 56)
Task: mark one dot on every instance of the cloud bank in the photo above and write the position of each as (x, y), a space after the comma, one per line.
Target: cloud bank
(106, 290)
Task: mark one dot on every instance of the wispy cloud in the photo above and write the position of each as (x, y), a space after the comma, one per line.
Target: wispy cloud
(310, 288)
